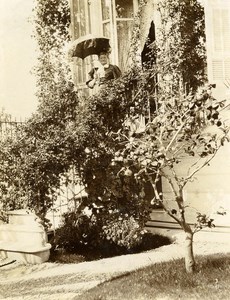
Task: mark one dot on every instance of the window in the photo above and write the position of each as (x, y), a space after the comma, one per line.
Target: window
(117, 22)
(80, 20)
(124, 35)
(110, 18)
(81, 25)
(106, 18)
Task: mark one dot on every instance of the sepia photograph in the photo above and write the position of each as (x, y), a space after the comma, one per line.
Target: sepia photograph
(115, 149)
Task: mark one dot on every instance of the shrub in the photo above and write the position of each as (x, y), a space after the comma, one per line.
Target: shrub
(76, 232)
(124, 231)
(90, 238)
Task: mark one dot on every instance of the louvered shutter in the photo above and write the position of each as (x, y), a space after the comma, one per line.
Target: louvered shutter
(220, 53)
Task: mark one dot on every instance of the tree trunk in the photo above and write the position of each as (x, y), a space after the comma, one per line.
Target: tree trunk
(189, 257)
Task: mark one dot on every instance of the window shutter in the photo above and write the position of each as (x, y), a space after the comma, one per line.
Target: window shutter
(221, 44)
(227, 69)
(217, 34)
(217, 69)
(226, 29)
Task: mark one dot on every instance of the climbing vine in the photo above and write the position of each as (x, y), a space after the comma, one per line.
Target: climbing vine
(101, 137)
(181, 53)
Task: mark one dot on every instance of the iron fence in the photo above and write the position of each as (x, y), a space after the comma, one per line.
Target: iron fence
(8, 125)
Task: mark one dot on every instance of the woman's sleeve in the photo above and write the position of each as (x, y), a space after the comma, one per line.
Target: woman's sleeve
(116, 72)
(91, 73)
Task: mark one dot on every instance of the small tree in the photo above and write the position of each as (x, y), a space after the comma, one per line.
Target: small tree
(175, 133)
(182, 118)
(114, 162)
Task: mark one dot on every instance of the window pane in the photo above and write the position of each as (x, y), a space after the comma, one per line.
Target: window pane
(106, 30)
(82, 15)
(79, 19)
(75, 70)
(124, 35)
(76, 28)
(78, 69)
(124, 9)
(105, 4)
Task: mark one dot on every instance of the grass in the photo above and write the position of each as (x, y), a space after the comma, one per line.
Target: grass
(169, 281)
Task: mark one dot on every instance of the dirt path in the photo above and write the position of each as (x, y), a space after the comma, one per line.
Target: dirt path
(65, 281)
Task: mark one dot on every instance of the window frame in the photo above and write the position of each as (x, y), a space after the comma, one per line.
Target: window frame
(113, 20)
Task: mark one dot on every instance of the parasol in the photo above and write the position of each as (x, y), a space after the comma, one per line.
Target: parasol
(89, 45)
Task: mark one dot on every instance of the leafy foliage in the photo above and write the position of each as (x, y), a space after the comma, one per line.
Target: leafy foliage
(101, 137)
(86, 235)
(77, 233)
(124, 231)
(9, 181)
(181, 53)
(34, 158)
(182, 119)
(182, 126)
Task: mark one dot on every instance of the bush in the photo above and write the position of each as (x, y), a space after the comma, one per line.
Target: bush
(89, 232)
(76, 233)
(124, 231)
(93, 238)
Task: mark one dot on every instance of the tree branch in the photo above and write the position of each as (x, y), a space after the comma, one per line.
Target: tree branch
(200, 167)
(159, 199)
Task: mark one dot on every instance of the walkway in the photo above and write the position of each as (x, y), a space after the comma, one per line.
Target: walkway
(57, 281)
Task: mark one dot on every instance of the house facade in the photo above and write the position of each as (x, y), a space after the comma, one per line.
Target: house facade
(115, 19)
(108, 18)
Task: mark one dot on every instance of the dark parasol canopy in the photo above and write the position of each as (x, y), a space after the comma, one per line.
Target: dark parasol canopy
(89, 45)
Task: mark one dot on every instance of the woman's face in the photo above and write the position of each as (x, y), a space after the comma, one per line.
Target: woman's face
(103, 59)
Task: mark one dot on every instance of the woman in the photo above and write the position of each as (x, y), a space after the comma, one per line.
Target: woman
(103, 72)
